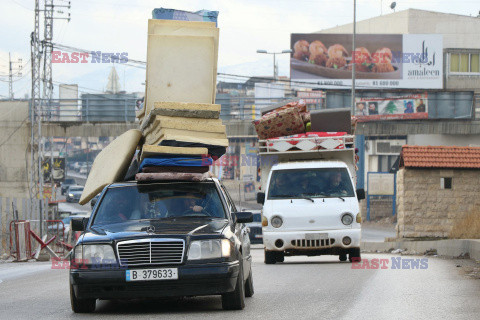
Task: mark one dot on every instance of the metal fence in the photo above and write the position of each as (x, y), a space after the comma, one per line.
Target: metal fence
(18, 209)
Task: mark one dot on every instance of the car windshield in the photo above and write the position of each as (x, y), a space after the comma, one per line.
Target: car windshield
(310, 183)
(159, 201)
(69, 181)
(72, 189)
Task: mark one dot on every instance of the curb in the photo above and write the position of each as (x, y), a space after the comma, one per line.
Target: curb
(449, 248)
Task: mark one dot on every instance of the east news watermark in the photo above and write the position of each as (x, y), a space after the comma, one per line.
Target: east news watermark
(394, 263)
(89, 57)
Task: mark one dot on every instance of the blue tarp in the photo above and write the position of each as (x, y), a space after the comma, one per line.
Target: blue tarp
(172, 14)
(176, 162)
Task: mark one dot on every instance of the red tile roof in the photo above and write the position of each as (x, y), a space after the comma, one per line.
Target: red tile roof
(440, 157)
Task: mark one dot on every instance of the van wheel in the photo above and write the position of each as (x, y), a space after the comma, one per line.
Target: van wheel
(354, 255)
(81, 305)
(249, 291)
(235, 300)
(270, 257)
(343, 257)
(280, 257)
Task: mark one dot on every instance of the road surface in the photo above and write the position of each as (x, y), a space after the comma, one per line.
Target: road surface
(300, 288)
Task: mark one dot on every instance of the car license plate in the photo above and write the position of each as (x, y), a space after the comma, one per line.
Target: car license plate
(258, 236)
(152, 274)
(316, 236)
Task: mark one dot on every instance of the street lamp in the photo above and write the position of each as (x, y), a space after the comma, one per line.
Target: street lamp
(274, 59)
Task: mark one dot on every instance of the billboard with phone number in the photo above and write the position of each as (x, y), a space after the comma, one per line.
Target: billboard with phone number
(381, 60)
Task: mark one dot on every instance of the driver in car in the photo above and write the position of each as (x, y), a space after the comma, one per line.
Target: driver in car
(191, 204)
(335, 184)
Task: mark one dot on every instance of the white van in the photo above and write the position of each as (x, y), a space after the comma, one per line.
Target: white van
(310, 207)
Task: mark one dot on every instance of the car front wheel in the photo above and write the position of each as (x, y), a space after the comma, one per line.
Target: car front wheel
(235, 300)
(354, 255)
(249, 291)
(81, 305)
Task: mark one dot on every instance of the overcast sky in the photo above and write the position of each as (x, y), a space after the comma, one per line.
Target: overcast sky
(121, 26)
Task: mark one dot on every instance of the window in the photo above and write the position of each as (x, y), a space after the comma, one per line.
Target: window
(464, 62)
(446, 183)
(312, 183)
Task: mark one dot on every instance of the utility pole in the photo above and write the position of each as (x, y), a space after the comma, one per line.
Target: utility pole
(35, 177)
(353, 54)
(11, 68)
(41, 106)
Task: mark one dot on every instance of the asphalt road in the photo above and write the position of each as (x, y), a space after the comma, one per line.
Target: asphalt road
(300, 288)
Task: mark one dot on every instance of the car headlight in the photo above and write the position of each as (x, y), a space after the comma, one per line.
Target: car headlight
(276, 222)
(70, 194)
(347, 219)
(95, 254)
(209, 249)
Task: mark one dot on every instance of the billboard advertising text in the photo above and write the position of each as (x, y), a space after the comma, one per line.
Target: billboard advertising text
(381, 60)
(414, 106)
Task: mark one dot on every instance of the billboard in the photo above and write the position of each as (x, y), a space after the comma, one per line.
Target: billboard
(312, 97)
(413, 106)
(58, 172)
(381, 60)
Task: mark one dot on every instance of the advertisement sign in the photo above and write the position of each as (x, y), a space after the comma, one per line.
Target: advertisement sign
(414, 106)
(311, 97)
(381, 60)
(58, 172)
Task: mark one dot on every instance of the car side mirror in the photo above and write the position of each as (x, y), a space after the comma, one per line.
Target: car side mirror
(79, 224)
(261, 197)
(93, 202)
(360, 194)
(243, 217)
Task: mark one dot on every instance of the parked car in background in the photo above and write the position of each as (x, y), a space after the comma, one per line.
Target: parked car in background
(67, 183)
(255, 228)
(74, 193)
(83, 170)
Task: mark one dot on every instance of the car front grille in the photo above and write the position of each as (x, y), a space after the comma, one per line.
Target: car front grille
(152, 251)
(318, 243)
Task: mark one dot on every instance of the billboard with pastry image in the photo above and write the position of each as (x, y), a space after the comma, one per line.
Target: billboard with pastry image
(381, 60)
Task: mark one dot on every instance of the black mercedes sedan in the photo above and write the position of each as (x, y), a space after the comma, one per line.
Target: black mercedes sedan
(162, 239)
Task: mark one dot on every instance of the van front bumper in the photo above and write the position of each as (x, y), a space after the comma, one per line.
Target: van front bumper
(325, 240)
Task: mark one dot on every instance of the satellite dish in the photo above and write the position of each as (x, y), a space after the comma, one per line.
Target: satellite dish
(393, 5)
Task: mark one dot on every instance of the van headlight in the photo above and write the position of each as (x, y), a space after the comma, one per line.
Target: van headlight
(95, 254)
(347, 219)
(276, 221)
(209, 249)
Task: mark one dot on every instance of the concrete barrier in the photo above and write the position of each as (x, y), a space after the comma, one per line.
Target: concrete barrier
(449, 248)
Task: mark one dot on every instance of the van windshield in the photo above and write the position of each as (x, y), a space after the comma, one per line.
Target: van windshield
(310, 183)
(159, 201)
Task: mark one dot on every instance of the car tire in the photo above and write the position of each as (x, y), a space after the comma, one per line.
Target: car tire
(280, 257)
(235, 300)
(270, 257)
(343, 257)
(249, 291)
(81, 305)
(355, 255)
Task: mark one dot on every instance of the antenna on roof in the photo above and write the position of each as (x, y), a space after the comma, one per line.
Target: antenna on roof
(393, 5)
